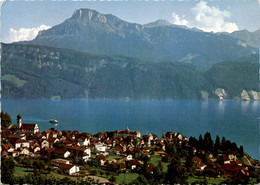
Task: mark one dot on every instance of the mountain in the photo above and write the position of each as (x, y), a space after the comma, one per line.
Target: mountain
(251, 38)
(44, 72)
(160, 22)
(30, 71)
(236, 77)
(105, 34)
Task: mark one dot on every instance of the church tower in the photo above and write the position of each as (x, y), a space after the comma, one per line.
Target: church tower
(19, 121)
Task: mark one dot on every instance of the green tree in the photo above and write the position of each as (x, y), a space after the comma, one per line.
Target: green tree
(208, 142)
(176, 173)
(172, 150)
(112, 179)
(241, 151)
(157, 175)
(140, 180)
(7, 170)
(6, 120)
(201, 143)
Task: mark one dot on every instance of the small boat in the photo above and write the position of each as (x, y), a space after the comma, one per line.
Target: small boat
(53, 121)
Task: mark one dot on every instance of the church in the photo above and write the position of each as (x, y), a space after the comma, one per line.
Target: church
(26, 127)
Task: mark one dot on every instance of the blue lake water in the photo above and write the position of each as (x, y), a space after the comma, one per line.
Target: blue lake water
(236, 120)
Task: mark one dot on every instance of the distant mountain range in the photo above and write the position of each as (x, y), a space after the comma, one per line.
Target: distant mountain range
(91, 31)
(97, 56)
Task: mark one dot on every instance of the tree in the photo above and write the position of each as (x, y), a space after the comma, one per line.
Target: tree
(241, 151)
(6, 120)
(201, 143)
(157, 175)
(112, 179)
(223, 141)
(7, 170)
(140, 180)
(176, 173)
(172, 150)
(208, 142)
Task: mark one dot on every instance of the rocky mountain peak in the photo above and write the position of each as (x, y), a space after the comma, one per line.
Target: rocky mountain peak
(89, 15)
(159, 22)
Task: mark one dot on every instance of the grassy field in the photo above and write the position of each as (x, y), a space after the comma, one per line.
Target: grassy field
(155, 160)
(209, 180)
(21, 171)
(129, 177)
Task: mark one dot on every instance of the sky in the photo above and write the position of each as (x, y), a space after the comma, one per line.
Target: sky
(22, 20)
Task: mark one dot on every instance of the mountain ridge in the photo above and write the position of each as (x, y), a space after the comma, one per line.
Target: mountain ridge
(31, 71)
(89, 30)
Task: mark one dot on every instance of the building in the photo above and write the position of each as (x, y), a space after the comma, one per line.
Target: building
(128, 132)
(26, 127)
(69, 168)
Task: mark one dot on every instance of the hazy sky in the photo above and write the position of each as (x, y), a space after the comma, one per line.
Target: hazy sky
(21, 20)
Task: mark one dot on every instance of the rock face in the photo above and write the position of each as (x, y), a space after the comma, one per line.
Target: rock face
(221, 93)
(254, 95)
(244, 95)
(91, 31)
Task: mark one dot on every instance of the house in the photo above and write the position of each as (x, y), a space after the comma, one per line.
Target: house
(26, 127)
(81, 153)
(8, 147)
(232, 156)
(133, 164)
(69, 168)
(128, 132)
(226, 159)
(57, 162)
(101, 159)
(23, 151)
(84, 142)
(21, 143)
(44, 144)
(200, 165)
(61, 153)
(129, 157)
(100, 148)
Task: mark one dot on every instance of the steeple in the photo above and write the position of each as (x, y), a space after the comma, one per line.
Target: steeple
(127, 127)
(19, 121)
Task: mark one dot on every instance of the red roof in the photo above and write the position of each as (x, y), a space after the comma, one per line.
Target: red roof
(28, 126)
(133, 162)
(59, 151)
(6, 147)
(22, 141)
(225, 158)
(66, 166)
(101, 157)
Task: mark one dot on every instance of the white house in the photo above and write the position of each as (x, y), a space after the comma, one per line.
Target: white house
(84, 142)
(57, 162)
(45, 143)
(21, 143)
(100, 148)
(69, 168)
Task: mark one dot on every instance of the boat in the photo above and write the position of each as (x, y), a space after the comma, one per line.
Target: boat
(53, 121)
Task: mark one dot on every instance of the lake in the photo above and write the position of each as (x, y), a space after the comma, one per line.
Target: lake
(236, 120)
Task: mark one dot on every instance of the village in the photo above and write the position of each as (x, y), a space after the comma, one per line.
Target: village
(124, 157)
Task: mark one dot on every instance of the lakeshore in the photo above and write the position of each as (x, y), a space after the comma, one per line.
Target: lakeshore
(125, 156)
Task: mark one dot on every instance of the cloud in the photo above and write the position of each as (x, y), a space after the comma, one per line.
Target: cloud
(178, 21)
(23, 34)
(212, 18)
